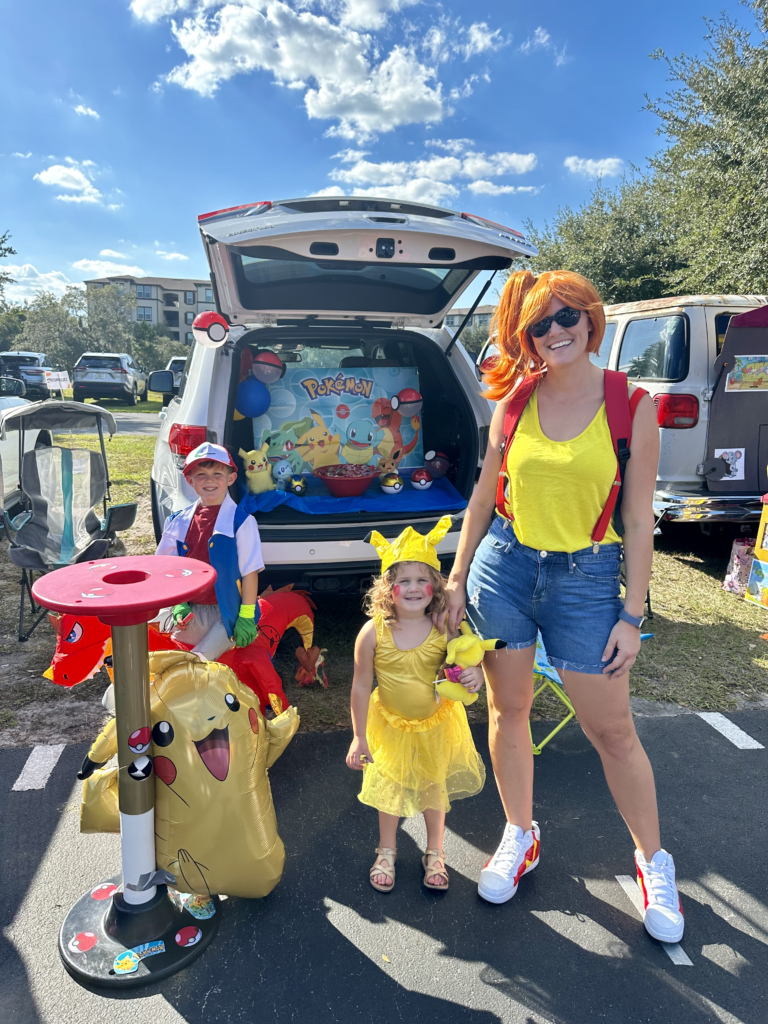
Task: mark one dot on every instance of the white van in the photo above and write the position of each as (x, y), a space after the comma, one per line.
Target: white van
(339, 284)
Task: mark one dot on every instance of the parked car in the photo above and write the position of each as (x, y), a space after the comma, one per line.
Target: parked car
(176, 366)
(669, 346)
(109, 375)
(30, 367)
(12, 394)
(337, 283)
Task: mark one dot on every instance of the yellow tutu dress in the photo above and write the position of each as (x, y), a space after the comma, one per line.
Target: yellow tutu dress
(423, 753)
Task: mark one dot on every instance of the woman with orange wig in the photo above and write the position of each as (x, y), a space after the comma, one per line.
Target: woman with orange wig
(539, 551)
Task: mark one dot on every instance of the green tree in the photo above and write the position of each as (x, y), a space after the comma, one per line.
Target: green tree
(622, 240)
(109, 322)
(473, 338)
(713, 176)
(6, 250)
(56, 326)
(153, 345)
(11, 325)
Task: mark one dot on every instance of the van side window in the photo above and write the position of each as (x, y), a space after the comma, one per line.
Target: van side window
(602, 357)
(721, 326)
(655, 348)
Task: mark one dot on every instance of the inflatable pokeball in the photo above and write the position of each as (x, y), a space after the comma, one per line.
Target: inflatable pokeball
(407, 402)
(437, 463)
(210, 329)
(267, 367)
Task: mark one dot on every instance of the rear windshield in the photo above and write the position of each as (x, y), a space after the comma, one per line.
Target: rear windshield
(655, 348)
(271, 278)
(20, 360)
(98, 363)
(178, 364)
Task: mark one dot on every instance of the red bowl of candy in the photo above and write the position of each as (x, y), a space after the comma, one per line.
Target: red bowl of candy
(347, 480)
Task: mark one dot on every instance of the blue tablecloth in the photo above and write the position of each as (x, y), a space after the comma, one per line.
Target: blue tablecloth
(441, 497)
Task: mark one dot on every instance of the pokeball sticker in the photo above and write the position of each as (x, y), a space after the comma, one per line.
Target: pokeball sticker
(188, 936)
(177, 574)
(97, 592)
(138, 741)
(140, 769)
(200, 907)
(103, 891)
(82, 942)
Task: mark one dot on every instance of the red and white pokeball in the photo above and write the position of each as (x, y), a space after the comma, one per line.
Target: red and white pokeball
(407, 402)
(82, 942)
(210, 329)
(267, 366)
(138, 741)
(188, 936)
(421, 479)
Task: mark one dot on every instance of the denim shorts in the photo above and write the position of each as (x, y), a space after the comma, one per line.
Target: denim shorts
(573, 599)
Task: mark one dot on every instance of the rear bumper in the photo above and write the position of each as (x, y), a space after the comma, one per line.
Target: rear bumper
(723, 508)
(97, 389)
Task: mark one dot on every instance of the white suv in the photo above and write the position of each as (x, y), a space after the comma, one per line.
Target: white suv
(337, 283)
(109, 375)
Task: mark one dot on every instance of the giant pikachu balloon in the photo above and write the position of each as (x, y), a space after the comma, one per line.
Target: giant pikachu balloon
(215, 824)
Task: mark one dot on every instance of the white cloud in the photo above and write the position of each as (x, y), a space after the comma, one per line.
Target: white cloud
(72, 178)
(610, 167)
(171, 255)
(454, 146)
(86, 111)
(22, 156)
(488, 188)
(105, 268)
(416, 190)
(29, 280)
(111, 252)
(327, 50)
(349, 156)
(542, 40)
(477, 164)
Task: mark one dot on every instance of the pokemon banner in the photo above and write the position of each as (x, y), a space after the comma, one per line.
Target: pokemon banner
(325, 416)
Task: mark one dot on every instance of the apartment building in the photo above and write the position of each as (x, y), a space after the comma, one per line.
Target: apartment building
(165, 300)
(480, 318)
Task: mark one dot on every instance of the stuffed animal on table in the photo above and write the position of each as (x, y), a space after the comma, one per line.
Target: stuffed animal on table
(466, 651)
(215, 824)
(282, 474)
(258, 470)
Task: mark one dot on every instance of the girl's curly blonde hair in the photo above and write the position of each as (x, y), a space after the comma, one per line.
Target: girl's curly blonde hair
(379, 601)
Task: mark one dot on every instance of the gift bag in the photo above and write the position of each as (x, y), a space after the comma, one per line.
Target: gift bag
(739, 566)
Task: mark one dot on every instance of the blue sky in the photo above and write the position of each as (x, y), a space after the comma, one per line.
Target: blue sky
(124, 120)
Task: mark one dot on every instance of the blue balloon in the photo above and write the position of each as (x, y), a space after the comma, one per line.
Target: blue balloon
(253, 398)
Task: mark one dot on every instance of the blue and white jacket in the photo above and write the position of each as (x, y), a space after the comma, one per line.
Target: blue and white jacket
(234, 550)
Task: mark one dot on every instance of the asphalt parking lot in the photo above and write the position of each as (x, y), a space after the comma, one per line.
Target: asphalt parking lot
(325, 947)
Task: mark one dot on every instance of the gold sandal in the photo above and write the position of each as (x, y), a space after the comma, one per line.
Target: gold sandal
(380, 868)
(437, 867)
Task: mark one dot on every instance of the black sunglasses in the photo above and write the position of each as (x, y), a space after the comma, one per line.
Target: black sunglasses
(565, 317)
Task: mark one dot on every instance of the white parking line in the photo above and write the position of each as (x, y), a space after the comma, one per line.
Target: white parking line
(732, 732)
(674, 950)
(38, 768)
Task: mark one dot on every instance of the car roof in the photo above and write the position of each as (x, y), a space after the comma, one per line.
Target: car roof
(678, 301)
(114, 355)
(24, 352)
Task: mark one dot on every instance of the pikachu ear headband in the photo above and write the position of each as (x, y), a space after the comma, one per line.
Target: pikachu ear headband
(411, 546)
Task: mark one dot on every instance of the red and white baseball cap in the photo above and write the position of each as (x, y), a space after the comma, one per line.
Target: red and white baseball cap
(207, 452)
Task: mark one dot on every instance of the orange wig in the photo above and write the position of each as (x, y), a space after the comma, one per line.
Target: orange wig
(524, 301)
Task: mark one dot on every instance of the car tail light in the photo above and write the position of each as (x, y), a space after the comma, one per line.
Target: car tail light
(183, 438)
(264, 206)
(677, 411)
(488, 364)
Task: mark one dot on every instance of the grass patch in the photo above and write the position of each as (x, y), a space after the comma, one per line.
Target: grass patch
(153, 404)
(129, 458)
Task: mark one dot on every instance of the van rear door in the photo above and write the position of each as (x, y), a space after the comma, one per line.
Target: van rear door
(348, 259)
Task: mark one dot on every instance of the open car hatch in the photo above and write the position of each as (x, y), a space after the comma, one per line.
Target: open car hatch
(347, 258)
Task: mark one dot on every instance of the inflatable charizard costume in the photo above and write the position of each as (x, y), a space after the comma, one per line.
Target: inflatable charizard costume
(210, 745)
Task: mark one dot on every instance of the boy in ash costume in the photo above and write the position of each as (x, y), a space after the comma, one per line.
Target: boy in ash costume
(213, 529)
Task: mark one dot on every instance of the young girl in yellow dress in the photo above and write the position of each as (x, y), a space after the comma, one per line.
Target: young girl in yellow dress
(415, 749)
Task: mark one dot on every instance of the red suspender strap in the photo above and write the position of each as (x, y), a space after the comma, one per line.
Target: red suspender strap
(517, 403)
(620, 411)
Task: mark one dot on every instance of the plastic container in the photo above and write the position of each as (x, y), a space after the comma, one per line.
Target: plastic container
(347, 486)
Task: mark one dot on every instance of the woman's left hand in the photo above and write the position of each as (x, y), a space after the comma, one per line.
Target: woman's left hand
(625, 640)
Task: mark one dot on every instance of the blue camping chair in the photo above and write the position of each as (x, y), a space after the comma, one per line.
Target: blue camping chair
(60, 489)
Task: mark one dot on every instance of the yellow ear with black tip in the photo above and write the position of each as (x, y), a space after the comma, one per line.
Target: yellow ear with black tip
(381, 543)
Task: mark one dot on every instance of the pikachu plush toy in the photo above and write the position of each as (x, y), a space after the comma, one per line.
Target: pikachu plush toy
(258, 470)
(215, 825)
(466, 651)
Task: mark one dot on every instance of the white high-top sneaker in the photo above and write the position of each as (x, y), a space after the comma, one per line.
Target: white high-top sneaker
(663, 911)
(518, 853)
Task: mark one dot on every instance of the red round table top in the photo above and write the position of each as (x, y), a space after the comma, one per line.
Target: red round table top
(123, 591)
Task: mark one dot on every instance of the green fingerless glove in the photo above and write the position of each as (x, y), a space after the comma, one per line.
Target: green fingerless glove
(245, 627)
(180, 612)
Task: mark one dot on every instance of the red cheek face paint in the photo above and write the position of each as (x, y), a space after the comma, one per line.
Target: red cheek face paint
(396, 590)
(428, 589)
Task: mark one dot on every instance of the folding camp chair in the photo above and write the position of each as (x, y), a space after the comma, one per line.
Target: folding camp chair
(546, 677)
(59, 491)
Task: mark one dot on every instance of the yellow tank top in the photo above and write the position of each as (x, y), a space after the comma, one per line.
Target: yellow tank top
(556, 490)
(406, 678)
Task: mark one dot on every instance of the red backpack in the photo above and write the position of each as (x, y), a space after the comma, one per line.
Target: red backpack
(620, 411)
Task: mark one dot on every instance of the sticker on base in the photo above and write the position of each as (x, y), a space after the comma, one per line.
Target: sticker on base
(200, 907)
(82, 942)
(190, 935)
(734, 459)
(103, 891)
(128, 962)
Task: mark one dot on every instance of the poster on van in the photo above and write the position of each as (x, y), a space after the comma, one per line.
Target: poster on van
(734, 459)
(328, 416)
(749, 373)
